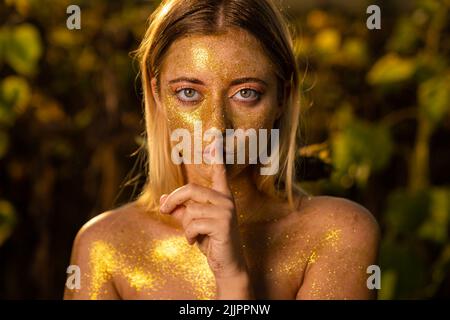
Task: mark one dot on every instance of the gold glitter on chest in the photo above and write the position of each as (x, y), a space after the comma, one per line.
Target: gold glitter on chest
(174, 256)
(106, 262)
(167, 258)
(329, 239)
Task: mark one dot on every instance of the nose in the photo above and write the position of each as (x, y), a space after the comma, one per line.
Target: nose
(219, 117)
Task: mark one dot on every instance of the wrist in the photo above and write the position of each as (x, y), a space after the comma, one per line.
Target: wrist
(236, 287)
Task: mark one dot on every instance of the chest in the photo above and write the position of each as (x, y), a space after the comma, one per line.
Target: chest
(172, 269)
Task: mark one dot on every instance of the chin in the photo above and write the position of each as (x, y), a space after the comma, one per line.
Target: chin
(233, 170)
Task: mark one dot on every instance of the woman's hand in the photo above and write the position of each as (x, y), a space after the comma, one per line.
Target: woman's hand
(208, 217)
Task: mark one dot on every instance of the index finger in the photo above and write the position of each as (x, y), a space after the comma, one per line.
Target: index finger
(219, 172)
(194, 193)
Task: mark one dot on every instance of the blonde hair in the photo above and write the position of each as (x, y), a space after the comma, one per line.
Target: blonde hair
(174, 19)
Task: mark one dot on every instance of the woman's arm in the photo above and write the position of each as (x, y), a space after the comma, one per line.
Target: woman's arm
(347, 245)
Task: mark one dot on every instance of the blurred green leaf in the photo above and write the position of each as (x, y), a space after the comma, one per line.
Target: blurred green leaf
(317, 19)
(327, 43)
(83, 118)
(14, 97)
(391, 69)
(430, 66)
(435, 227)
(405, 269)
(430, 6)
(65, 38)
(434, 98)
(388, 284)
(405, 37)
(22, 6)
(48, 110)
(359, 148)
(354, 52)
(406, 210)
(7, 220)
(439, 271)
(23, 49)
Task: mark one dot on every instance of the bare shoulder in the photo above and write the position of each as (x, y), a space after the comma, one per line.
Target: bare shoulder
(118, 236)
(345, 240)
(353, 221)
(125, 224)
(105, 224)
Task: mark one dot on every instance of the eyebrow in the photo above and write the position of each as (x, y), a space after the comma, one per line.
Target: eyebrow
(186, 79)
(244, 80)
(233, 83)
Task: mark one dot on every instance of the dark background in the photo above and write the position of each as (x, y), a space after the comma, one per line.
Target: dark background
(376, 129)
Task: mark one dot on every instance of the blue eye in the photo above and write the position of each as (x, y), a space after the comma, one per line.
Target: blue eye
(188, 95)
(247, 95)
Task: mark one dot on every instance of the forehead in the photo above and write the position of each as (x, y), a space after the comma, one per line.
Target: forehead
(235, 53)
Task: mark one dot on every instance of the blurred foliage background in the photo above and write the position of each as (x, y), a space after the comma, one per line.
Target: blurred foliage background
(376, 129)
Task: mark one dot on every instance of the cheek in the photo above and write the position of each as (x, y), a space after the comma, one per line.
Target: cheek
(178, 118)
(262, 117)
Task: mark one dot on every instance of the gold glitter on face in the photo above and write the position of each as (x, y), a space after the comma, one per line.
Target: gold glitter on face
(215, 66)
(202, 57)
(216, 61)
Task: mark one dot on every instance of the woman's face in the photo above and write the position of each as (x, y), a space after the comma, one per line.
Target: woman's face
(220, 81)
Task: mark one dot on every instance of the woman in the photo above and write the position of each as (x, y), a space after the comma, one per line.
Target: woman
(208, 230)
